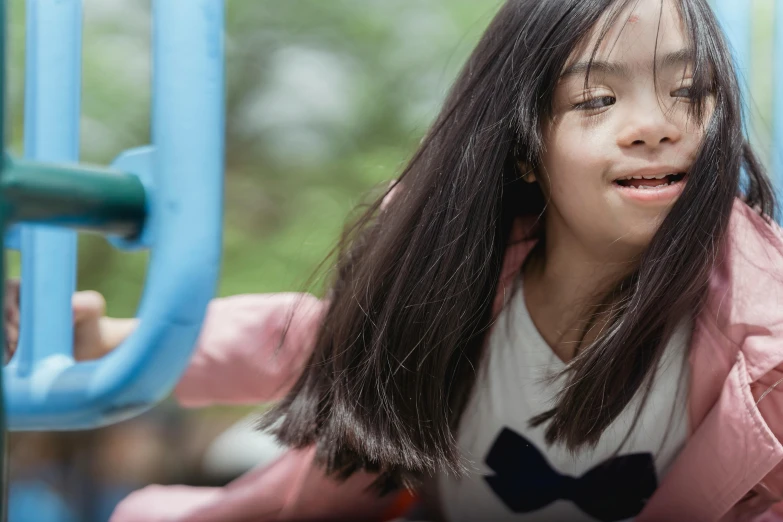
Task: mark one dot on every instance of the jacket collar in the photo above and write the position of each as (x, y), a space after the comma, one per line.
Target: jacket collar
(738, 340)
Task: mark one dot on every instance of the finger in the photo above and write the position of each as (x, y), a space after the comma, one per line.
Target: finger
(88, 304)
(11, 311)
(11, 337)
(11, 295)
(11, 341)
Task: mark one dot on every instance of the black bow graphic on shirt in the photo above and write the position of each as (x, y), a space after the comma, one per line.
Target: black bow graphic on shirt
(614, 490)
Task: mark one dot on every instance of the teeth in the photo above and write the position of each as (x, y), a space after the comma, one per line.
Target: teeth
(647, 187)
(659, 176)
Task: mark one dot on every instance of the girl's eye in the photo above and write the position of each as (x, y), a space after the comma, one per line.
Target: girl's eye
(683, 92)
(595, 103)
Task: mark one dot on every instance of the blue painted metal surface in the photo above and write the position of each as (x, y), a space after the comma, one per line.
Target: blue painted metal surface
(777, 106)
(51, 133)
(736, 20)
(45, 388)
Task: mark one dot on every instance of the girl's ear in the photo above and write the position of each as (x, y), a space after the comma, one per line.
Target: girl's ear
(526, 172)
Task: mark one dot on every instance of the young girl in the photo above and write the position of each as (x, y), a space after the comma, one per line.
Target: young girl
(568, 308)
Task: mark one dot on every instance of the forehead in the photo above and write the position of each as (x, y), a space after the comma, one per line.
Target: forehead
(642, 30)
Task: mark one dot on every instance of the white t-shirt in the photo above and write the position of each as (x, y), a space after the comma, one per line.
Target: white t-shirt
(516, 476)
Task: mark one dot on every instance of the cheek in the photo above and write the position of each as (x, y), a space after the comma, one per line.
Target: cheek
(575, 180)
(573, 162)
(692, 129)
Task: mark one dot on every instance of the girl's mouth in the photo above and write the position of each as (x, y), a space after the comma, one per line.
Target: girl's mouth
(651, 182)
(655, 190)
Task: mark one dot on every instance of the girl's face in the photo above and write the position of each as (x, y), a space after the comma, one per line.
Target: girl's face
(631, 121)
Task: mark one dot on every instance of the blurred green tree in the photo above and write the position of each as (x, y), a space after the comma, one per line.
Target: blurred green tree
(324, 101)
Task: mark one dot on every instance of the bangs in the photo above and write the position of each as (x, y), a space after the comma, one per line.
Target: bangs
(713, 74)
(703, 45)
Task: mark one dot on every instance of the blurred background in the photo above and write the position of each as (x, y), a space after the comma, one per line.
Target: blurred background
(325, 101)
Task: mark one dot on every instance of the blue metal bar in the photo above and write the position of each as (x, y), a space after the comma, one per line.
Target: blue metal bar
(183, 227)
(4, 457)
(777, 106)
(735, 19)
(51, 116)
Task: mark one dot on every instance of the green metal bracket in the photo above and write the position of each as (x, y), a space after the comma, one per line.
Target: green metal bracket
(91, 199)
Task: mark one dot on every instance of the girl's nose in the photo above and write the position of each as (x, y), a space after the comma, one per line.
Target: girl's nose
(648, 127)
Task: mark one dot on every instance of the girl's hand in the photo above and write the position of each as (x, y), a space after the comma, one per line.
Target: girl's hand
(11, 317)
(95, 335)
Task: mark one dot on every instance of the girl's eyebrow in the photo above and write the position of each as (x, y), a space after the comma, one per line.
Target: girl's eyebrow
(667, 61)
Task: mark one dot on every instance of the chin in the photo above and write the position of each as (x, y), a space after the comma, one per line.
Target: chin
(638, 238)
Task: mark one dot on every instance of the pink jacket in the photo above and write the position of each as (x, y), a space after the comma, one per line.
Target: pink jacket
(735, 408)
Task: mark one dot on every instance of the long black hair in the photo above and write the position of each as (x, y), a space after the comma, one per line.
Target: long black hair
(410, 304)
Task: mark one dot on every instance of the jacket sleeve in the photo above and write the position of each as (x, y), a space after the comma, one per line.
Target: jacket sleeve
(239, 358)
(768, 393)
(242, 355)
(291, 488)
